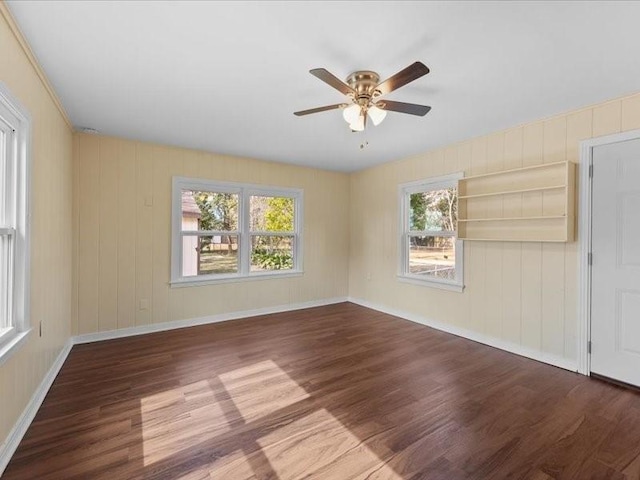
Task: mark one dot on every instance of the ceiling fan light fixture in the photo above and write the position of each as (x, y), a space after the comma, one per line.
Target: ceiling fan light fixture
(351, 113)
(358, 125)
(376, 114)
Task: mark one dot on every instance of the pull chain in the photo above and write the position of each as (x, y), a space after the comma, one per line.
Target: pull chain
(365, 142)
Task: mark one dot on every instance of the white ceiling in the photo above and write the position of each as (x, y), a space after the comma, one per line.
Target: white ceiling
(227, 76)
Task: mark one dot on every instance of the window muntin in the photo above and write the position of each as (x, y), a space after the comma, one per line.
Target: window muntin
(229, 231)
(430, 251)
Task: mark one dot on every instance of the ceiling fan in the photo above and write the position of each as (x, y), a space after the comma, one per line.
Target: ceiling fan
(364, 92)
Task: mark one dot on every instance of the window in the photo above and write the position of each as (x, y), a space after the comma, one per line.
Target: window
(14, 234)
(430, 252)
(229, 231)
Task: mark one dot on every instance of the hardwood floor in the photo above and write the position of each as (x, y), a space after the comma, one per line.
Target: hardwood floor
(337, 392)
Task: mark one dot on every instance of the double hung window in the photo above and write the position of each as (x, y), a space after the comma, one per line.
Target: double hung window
(227, 231)
(14, 233)
(430, 251)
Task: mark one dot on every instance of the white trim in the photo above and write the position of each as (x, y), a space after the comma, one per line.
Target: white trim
(583, 335)
(421, 281)
(233, 278)
(433, 183)
(192, 322)
(474, 336)
(9, 347)
(17, 33)
(8, 448)
(430, 233)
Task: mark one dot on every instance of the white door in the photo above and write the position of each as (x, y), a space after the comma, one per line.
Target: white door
(615, 274)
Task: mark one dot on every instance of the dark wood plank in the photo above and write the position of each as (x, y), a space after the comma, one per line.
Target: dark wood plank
(337, 392)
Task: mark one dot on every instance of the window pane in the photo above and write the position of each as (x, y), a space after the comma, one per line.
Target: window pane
(212, 254)
(272, 214)
(4, 181)
(271, 253)
(432, 257)
(435, 210)
(209, 211)
(5, 280)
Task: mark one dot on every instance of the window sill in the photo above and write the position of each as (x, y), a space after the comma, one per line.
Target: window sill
(194, 282)
(9, 347)
(442, 285)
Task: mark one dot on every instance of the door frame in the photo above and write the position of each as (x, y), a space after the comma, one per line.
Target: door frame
(584, 241)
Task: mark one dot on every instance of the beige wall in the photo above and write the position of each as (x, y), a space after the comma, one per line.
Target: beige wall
(51, 182)
(110, 206)
(123, 243)
(522, 293)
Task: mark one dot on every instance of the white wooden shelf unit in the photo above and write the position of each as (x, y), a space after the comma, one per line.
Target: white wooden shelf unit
(529, 204)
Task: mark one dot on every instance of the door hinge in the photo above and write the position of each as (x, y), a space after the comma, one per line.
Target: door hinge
(590, 258)
(589, 346)
(591, 171)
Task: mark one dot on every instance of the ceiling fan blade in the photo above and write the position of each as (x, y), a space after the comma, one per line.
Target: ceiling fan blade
(330, 79)
(400, 79)
(410, 108)
(319, 109)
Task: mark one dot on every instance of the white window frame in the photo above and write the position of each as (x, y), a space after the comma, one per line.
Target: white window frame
(244, 233)
(15, 122)
(404, 192)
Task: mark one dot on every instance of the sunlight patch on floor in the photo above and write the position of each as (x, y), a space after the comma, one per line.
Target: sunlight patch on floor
(194, 415)
(260, 389)
(209, 409)
(238, 466)
(330, 449)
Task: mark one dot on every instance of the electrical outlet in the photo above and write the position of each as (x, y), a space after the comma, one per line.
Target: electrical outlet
(148, 201)
(144, 304)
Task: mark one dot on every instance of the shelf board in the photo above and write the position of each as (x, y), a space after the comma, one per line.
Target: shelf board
(520, 240)
(511, 192)
(514, 170)
(506, 219)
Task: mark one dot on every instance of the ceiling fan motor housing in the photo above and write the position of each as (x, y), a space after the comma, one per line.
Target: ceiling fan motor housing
(364, 83)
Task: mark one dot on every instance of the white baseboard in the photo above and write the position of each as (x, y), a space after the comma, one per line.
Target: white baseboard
(8, 448)
(475, 336)
(15, 436)
(191, 322)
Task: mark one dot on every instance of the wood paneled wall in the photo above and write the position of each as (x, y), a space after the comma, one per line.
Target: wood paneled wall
(101, 216)
(523, 293)
(51, 187)
(122, 208)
